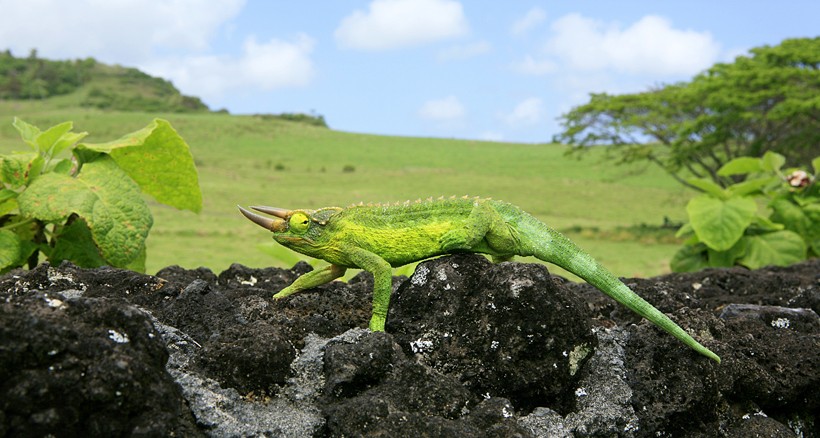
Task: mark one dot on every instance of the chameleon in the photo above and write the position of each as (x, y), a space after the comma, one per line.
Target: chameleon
(378, 237)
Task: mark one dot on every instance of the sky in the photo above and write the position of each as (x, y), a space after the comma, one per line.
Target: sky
(485, 70)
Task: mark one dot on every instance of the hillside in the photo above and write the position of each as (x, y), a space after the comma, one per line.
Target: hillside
(88, 83)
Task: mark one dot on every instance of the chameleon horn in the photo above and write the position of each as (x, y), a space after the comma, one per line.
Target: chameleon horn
(273, 211)
(262, 221)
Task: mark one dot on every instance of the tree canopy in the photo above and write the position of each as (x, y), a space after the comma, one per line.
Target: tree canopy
(768, 100)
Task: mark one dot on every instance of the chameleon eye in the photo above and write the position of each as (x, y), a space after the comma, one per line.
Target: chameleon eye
(299, 223)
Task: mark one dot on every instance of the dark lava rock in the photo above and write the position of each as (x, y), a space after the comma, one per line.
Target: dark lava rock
(471, 349)
(84, 367)
(250, 358)
(502, 330)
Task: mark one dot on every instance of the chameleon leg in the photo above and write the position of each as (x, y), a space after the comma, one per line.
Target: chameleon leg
(473, 230)
(382, 286)
(312, 279)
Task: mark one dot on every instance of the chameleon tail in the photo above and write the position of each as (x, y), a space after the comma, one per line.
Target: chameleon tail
(546, 244)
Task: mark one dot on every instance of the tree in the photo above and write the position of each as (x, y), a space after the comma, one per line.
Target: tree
(767, 101)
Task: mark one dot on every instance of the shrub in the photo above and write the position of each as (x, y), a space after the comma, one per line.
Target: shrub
(726, 228)
(82, 202)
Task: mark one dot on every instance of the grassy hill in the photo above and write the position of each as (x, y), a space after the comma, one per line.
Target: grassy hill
(267, 160)
(89, 84)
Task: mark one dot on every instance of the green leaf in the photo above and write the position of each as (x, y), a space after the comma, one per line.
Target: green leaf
(780, 248)
(105, 197)
(75, 243)
(63, 166)
(813, 237)
(740, 166)
(690, 258)
(766, 224)
(35, 168)
(7, 201)
(65, 141)
(815, 163)
(772, 161)
(708, 186)
(6, 194)
(729, 257)
(751, 186)
(28, 132)
(804, 220)
(46, 139)
(159, 160)
(720, 223)
(684, 230)
(9, 249)
(791, 215)
(15, 169)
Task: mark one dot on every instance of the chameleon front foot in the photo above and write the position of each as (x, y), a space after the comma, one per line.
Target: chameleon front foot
(284, 293)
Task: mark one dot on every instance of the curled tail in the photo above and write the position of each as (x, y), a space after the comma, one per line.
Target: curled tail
(537, 239)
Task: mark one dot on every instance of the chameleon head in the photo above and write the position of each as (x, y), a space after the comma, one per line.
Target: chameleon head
(295, 229)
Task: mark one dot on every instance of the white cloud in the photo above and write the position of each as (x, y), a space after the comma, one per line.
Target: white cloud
(649, 46)
(442, 110)
(390, 24)
(123, 31)
(533, 18)
(261, 66)
(464, 51)
(535, 67)
(529, 111)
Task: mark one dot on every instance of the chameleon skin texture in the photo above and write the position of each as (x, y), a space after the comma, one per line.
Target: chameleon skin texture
(377, 237)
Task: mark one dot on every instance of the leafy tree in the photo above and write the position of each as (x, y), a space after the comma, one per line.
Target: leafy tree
(768, 101)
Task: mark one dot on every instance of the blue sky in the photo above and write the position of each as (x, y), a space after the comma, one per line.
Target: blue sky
(439, 68)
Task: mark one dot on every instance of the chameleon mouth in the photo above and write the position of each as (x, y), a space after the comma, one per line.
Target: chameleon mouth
(275, 225)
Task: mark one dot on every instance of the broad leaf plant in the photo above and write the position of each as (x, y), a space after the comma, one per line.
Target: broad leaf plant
(84, 202)
(772, 217)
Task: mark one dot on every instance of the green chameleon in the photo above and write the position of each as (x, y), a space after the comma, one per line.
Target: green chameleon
(377, 237)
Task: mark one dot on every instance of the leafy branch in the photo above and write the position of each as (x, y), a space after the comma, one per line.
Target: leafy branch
(82, 201)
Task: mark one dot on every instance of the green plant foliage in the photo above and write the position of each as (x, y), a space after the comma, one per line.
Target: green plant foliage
(159, 161)
(720, 223)
(764, 101)
(781, 248)
(726, 228)
(87, 207)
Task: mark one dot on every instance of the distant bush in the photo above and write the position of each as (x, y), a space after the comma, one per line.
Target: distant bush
(309, 119)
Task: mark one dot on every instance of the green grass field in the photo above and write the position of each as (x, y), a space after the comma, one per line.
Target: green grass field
(247, 160)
